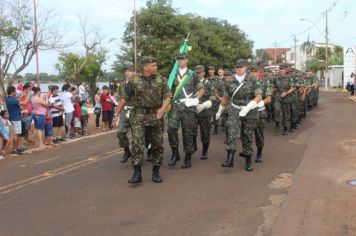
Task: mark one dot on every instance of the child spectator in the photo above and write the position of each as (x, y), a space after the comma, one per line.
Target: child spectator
(84, 118)
(48, 130)
(77, 115)
(4, 133)
(57, 109)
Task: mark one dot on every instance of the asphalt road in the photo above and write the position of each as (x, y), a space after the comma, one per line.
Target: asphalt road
(81, 189)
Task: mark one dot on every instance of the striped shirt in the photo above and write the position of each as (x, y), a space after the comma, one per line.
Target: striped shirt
(55, 100)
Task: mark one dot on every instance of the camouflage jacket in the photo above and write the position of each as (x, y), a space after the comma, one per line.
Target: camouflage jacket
(250, 89)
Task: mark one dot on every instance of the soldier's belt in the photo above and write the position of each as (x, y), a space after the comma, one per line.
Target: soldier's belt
(146, 110)
(179, 101)
(127, 108)
(237, 107)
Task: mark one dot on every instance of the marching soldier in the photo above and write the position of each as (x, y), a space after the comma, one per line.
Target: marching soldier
(243, 93)
(283, 87)
(261, 123)
(124, 125)
(213, 81)
(294, 100)
(150, 96)
(204, 110)
(187, 92)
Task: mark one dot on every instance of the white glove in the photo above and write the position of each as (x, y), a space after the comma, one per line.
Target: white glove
(191, 102)
(204, 106)
(218, 114)
(261, 104)
(250, 106)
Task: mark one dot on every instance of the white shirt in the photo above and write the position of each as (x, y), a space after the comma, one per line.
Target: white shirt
(240, 78)
(182, 71)
(67, 102)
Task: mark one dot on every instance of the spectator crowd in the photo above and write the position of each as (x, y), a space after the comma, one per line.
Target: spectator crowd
(53, 117)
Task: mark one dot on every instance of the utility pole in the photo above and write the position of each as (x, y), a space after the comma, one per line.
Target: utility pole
(326, 50)
(275, 53)
(135, 29)
(36, 44)
(295, 51)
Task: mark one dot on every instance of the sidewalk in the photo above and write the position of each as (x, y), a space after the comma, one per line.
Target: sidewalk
(321, 202)
(92, 132)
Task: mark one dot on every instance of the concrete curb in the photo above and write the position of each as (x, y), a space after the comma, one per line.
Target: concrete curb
(70, 141)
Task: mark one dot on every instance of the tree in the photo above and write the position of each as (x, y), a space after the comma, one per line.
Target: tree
(161, 29)
(308, 48)
(90, 71)
(17, 39)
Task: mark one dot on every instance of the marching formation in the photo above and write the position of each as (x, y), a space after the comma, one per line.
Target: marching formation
(243, 101)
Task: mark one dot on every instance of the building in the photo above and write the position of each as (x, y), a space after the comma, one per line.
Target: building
(272, 56)
(302, 57)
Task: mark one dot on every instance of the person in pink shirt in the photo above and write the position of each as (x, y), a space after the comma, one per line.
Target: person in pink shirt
(39, 110)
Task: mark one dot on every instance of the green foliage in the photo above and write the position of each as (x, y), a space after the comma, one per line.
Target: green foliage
(91, 71)
(161, 29)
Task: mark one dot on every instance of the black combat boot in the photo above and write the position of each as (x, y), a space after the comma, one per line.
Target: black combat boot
(187, 161)
(259, 155)
(229, 162)
(243, 155)
(204, 155)
(278, 127)
(155, 174)
(249, 164)
(175, 157)
(149, 156)
(126, 155)
(291, 128)
(285, 131)
(136, 178)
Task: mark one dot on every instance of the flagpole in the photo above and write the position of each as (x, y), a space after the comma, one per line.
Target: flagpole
(36, 44)
(135, 29)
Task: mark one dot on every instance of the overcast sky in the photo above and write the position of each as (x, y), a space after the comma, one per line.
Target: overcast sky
(264, 21)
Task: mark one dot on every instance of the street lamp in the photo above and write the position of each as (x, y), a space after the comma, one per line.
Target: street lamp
(311, 22)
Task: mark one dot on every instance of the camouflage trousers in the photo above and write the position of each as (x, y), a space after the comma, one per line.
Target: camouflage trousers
(187, 120)
(259, 132)
(214, 110)
(122, 130)
(240, 128)
(203, 122)
(286, 114)
(277, 107)
(143, 133)
(294, 110)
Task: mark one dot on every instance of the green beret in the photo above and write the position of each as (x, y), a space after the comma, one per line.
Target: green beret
(148, 60)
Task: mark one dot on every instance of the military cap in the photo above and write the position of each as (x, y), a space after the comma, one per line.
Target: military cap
(182, 55)
(211, 67)
(148, 60)
(240, 63)
(282, 66)
(227, 73)
(199, 68)
(253, 68)
(129, 65)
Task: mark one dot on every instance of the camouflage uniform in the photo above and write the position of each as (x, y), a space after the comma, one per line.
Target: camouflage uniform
(147, 95)
(183, 116)
(282, 106)
(294, 102)
(214, 82)
(242, 127)
(259, 130)
(124, 123)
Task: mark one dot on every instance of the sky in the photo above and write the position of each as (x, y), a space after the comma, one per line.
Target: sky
(264, 21)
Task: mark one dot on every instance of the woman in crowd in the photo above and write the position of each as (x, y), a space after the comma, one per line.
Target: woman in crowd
(97, 107)
(39, 109)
